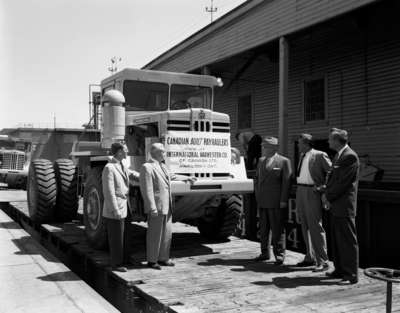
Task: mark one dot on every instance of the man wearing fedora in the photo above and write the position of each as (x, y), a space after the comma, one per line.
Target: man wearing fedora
(310, 176)
(272, 184)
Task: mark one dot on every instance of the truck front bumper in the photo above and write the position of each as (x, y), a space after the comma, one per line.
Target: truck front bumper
(228, 186)
(13, 177)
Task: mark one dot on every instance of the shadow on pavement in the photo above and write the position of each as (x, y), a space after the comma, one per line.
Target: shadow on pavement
(60, 276)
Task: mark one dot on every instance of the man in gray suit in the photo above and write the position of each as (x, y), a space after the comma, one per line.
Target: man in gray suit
(310, 176)
(115, 181)
(272, 184)
(341, 196)
(155, 186)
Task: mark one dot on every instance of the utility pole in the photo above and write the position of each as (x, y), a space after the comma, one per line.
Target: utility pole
(211, 10)
(114, 64)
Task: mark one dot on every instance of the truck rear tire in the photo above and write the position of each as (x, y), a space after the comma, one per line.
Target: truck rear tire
(95, 226)
(67, 195)
(42, 191)
(226, 220)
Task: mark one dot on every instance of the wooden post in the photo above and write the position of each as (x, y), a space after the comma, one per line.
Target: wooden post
(283, 94)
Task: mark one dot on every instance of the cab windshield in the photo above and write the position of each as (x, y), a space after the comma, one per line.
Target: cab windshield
(145, 96)
(153, 96)
(185, 96)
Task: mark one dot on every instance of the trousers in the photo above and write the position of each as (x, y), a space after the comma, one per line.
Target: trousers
(344, 245)
(158, 237)
(309, 206)
(272, 230)
(118, 241)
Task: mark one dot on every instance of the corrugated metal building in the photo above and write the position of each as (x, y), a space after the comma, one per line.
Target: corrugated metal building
(343, 70)
(292, 66)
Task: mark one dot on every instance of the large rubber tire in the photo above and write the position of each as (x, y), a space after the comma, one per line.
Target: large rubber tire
(95, 226)
(42, 191)
(225, 221)
(67, 190)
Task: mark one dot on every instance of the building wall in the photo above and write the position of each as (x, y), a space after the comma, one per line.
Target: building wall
(255, 23)
(361, 63)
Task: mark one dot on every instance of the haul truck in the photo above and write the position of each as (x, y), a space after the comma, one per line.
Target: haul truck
(173, 108)
(15, 155)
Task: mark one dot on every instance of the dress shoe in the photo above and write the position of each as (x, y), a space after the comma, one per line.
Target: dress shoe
(349, 281)
(321, 268)
(261, 258)
(119, 269)
(279, 262)
(334, 274)
(166, 263)
(153, 265)
(305, 264)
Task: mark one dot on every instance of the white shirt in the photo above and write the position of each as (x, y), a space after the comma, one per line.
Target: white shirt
(341, 150)
(305, 175)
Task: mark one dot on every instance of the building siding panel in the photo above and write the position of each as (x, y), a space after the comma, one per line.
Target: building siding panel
(263, 23)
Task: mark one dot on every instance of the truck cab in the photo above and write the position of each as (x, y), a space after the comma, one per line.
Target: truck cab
(166, 107)
(14, 161)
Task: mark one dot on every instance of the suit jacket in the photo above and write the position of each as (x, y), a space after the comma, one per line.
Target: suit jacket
(272, 182)
(115, 190)
(319, 165)
(155, 187)
(342, 184)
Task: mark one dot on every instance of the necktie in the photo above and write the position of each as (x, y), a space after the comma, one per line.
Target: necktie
(162, 165)
(336, 158)
(300, 164)
(123, 169)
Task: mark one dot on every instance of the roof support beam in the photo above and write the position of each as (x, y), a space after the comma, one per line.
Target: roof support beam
(283, 94)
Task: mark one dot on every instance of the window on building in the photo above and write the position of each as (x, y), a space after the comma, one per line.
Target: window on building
(314, 100)
(244, 112)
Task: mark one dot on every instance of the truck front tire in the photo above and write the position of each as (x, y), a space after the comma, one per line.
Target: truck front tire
(225, 220)
(67, 195)
(42, 191)
(95, 226)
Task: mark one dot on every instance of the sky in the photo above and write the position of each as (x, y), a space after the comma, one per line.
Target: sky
(51, 50)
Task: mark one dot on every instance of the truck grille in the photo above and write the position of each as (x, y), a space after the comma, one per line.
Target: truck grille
(198, 125)
(12, 161)
(178, 125)
(207, 175)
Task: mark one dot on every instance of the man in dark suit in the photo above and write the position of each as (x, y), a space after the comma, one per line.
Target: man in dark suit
(310, 175)
(272, 184)
(341, 197)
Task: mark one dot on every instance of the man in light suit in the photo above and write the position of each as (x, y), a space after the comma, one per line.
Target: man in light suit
(310, 176)
(341, 196)
(115, 179)
(155, 186)
(272, 184)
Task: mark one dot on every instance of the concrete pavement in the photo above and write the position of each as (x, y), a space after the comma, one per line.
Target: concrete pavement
(33, 280)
